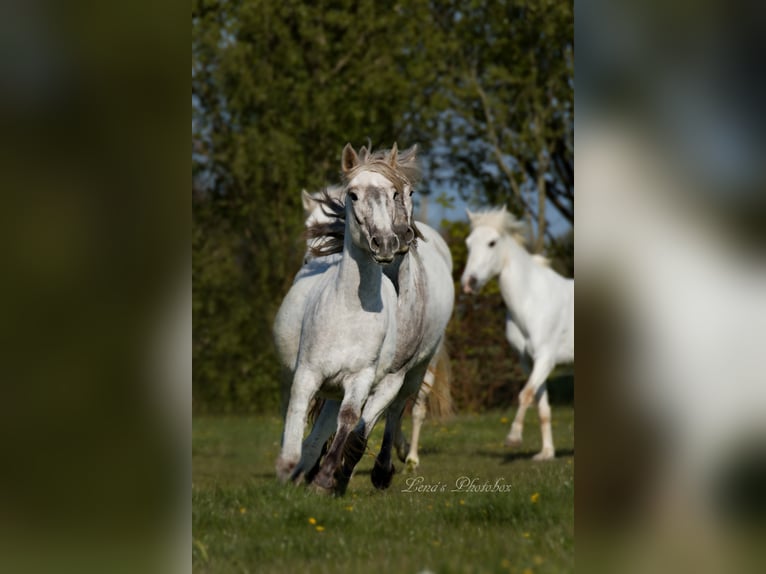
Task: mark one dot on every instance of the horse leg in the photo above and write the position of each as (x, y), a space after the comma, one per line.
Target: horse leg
(540, 371)
(305, 386)
(348, 417)
(393, 396)
(418, 416)
(400, 443)
(383, 471)
(544, 410)
(314, 443)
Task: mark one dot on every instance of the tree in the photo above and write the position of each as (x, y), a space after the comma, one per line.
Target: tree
(277, 89)
(509, 124)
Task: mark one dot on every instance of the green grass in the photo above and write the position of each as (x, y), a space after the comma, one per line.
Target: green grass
(245, 521)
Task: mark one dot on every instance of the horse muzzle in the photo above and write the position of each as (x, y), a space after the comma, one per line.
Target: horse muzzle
(384, 247)
(470, 285)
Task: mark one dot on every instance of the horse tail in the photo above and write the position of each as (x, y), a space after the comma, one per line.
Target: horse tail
(440, 404)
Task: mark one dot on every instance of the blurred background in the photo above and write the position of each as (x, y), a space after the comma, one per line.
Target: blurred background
(486, 91)
(671, 293)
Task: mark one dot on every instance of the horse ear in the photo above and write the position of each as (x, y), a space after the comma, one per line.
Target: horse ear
(363, 154)
(504, 209)
(394, 157)
(469, 214)
(308, 201)
(349, 159)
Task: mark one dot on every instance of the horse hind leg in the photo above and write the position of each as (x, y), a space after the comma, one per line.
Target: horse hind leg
(418, 416)
(383, 471)
(401, 445)
(315, 445)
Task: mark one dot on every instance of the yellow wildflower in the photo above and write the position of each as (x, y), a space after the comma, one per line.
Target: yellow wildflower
(320, 528)
(312, 520)
(535, 497)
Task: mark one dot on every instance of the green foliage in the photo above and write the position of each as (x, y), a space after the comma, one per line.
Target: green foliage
(277, 89)
(509, 120)
(244, 521)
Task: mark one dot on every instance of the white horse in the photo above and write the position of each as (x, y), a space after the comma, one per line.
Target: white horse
(425, 300)
(348, 338)
(317, 211)
(540, 302)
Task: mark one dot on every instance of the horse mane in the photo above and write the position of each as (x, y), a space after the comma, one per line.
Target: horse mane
(332, 231)
(501, 221)
(406, 172)
(332, 203)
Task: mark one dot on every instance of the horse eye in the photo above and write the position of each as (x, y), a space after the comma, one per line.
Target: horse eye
(492, 243)
(353, 196)
(411, 192)
(396, 194)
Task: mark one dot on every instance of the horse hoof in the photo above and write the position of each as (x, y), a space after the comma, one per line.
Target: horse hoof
(323, 484)
(401, 451)
(412, 465)
(318, 489)
(545, 454)
(381, 478)
(341, 482)
(285, 470)
(512, 441)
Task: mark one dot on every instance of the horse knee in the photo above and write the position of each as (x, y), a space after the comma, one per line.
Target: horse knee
(348, 416)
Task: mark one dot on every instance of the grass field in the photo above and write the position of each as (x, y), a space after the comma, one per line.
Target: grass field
(245, 521)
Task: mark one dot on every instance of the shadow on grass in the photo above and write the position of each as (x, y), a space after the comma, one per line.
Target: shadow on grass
(508, 457)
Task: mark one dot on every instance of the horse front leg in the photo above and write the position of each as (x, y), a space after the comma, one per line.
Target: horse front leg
(378, 401)
(542, 368)
(305, 386)
(544, 411)
(350, 411)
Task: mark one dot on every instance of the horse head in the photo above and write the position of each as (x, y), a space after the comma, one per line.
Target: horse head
(372, 188)
(488, 247)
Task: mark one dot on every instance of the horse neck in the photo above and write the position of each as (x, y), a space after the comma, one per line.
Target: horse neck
(359, 277)
(514, 274)
(410, 308)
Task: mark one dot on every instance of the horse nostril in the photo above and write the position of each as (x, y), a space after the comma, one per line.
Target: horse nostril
(472, 281)
(374, 244)
(410, 235)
